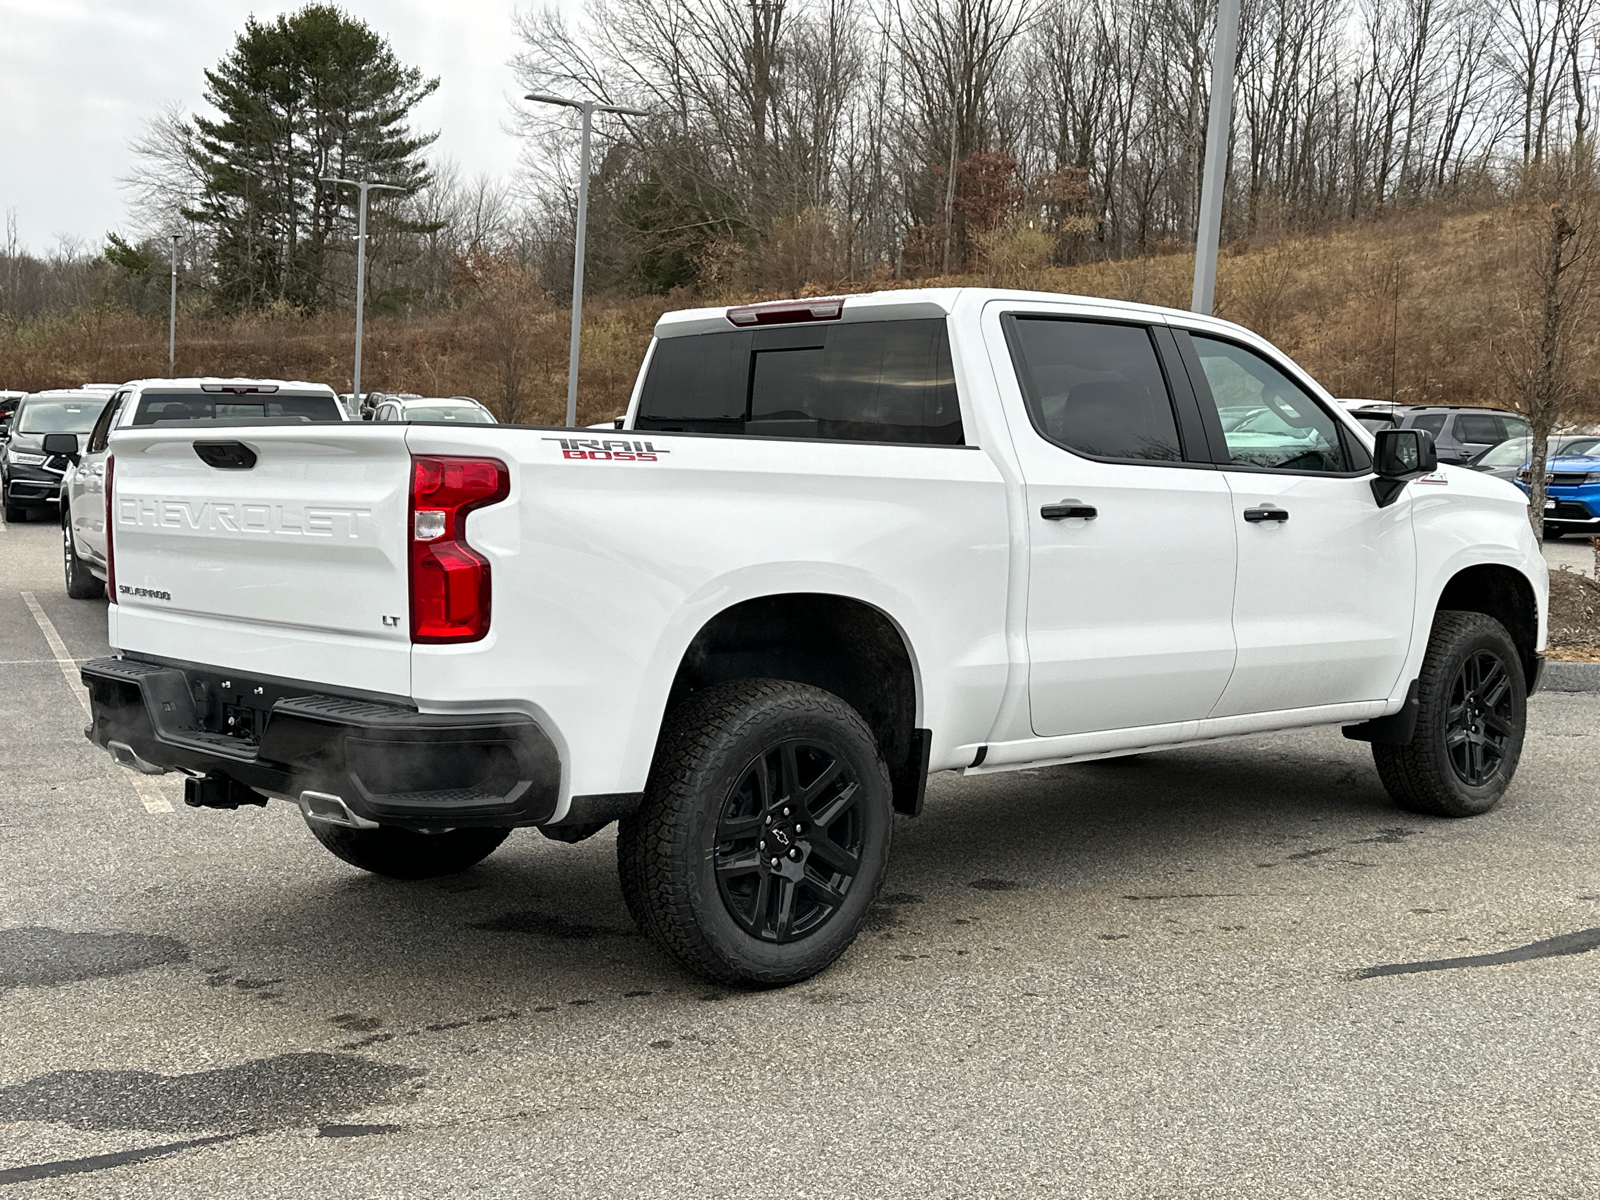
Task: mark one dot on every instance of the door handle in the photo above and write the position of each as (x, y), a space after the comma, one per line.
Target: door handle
(1068, 509)
(1266, 512)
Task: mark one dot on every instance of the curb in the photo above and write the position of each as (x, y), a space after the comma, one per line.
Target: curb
(1570, 677)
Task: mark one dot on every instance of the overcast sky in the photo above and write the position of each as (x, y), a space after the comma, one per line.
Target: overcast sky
(78, 79)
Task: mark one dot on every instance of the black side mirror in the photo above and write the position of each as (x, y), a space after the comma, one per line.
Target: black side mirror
(62, 443)
(1401, 455)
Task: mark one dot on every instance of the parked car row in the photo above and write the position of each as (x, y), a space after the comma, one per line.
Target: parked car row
(1460, 433)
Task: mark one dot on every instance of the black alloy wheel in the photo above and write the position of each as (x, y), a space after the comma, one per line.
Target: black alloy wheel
(789, 841)
(1480, 722)
(1472, 712)
(763, 837)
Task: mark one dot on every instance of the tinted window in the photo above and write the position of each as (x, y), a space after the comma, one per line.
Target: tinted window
(60, 416)
(699, 384)
(1485, 429)
(203, 406)
(877, 381)
(1095, 388)
(786, 386)
(1287, 430)
(1429, 423)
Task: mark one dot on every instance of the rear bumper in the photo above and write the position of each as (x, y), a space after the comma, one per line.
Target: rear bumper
(387, 763)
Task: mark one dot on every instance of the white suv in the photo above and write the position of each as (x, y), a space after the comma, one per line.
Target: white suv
(457, 409)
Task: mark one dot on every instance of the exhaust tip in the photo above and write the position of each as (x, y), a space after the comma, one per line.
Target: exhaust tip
(331, 810)
(125, 755)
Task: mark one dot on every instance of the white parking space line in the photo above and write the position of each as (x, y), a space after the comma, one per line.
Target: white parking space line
(149, 793)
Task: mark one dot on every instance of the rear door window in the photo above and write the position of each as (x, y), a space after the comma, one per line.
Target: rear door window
(1095, 388)
(870, 381)
(1479, 429)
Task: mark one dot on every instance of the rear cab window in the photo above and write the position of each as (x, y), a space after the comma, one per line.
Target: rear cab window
(156, 407)
(865, 381)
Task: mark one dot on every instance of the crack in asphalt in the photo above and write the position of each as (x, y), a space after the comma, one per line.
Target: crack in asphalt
(1581, 942)
(100, 1162)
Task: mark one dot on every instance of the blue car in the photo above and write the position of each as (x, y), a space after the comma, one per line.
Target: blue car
(1572, 494)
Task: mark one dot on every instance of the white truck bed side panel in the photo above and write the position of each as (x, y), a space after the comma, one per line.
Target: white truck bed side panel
(605, 569)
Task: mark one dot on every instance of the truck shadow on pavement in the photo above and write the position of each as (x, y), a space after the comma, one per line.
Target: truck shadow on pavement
(544, 923)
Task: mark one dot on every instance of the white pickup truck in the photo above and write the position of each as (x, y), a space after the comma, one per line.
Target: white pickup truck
(834, 545)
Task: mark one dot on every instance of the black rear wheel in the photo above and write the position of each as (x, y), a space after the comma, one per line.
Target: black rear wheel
(764, 833)
(1471, 719)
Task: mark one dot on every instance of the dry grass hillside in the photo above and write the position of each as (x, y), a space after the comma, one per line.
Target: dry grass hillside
(1426, 307)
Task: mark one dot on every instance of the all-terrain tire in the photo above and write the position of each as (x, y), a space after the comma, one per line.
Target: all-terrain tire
(1471, 717)
(81, 583)
(768, 772)
(402, 854)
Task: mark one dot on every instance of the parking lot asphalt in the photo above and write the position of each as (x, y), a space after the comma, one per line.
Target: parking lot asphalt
(1229, 970)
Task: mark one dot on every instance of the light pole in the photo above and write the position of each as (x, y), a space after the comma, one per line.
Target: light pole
(1216, 169)
(172, 312)
(364, 186)
(588, 108)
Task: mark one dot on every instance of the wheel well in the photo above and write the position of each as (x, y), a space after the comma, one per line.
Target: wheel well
(1504, 594)
(832, 642)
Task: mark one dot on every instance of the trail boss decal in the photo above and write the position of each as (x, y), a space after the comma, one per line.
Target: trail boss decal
(608, 449)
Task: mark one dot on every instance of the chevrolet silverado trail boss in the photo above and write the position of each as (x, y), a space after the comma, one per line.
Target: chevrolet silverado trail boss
(833, 546)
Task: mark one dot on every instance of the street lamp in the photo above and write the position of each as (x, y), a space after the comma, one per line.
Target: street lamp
(588, 108)
(1216, 168)
(172, 311)
(364, 186)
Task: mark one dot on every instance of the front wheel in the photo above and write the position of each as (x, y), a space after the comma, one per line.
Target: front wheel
(403, 854)
(764, 832)
(1472, 714)
(81, 583)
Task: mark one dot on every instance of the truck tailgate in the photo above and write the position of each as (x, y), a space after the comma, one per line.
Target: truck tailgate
(294, 567)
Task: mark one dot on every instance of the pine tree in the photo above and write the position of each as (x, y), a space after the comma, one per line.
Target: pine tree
(308, 96)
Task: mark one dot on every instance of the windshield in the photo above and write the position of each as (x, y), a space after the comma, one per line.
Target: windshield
(1583, 447)
(1515, 453)
(200, 406)
(471, 416)
(60, 416)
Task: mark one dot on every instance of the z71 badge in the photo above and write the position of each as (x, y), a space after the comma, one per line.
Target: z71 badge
(608, 449)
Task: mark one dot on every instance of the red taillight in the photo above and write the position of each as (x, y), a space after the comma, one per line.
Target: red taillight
(788, 312)
(449, 579)
(111, 553)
